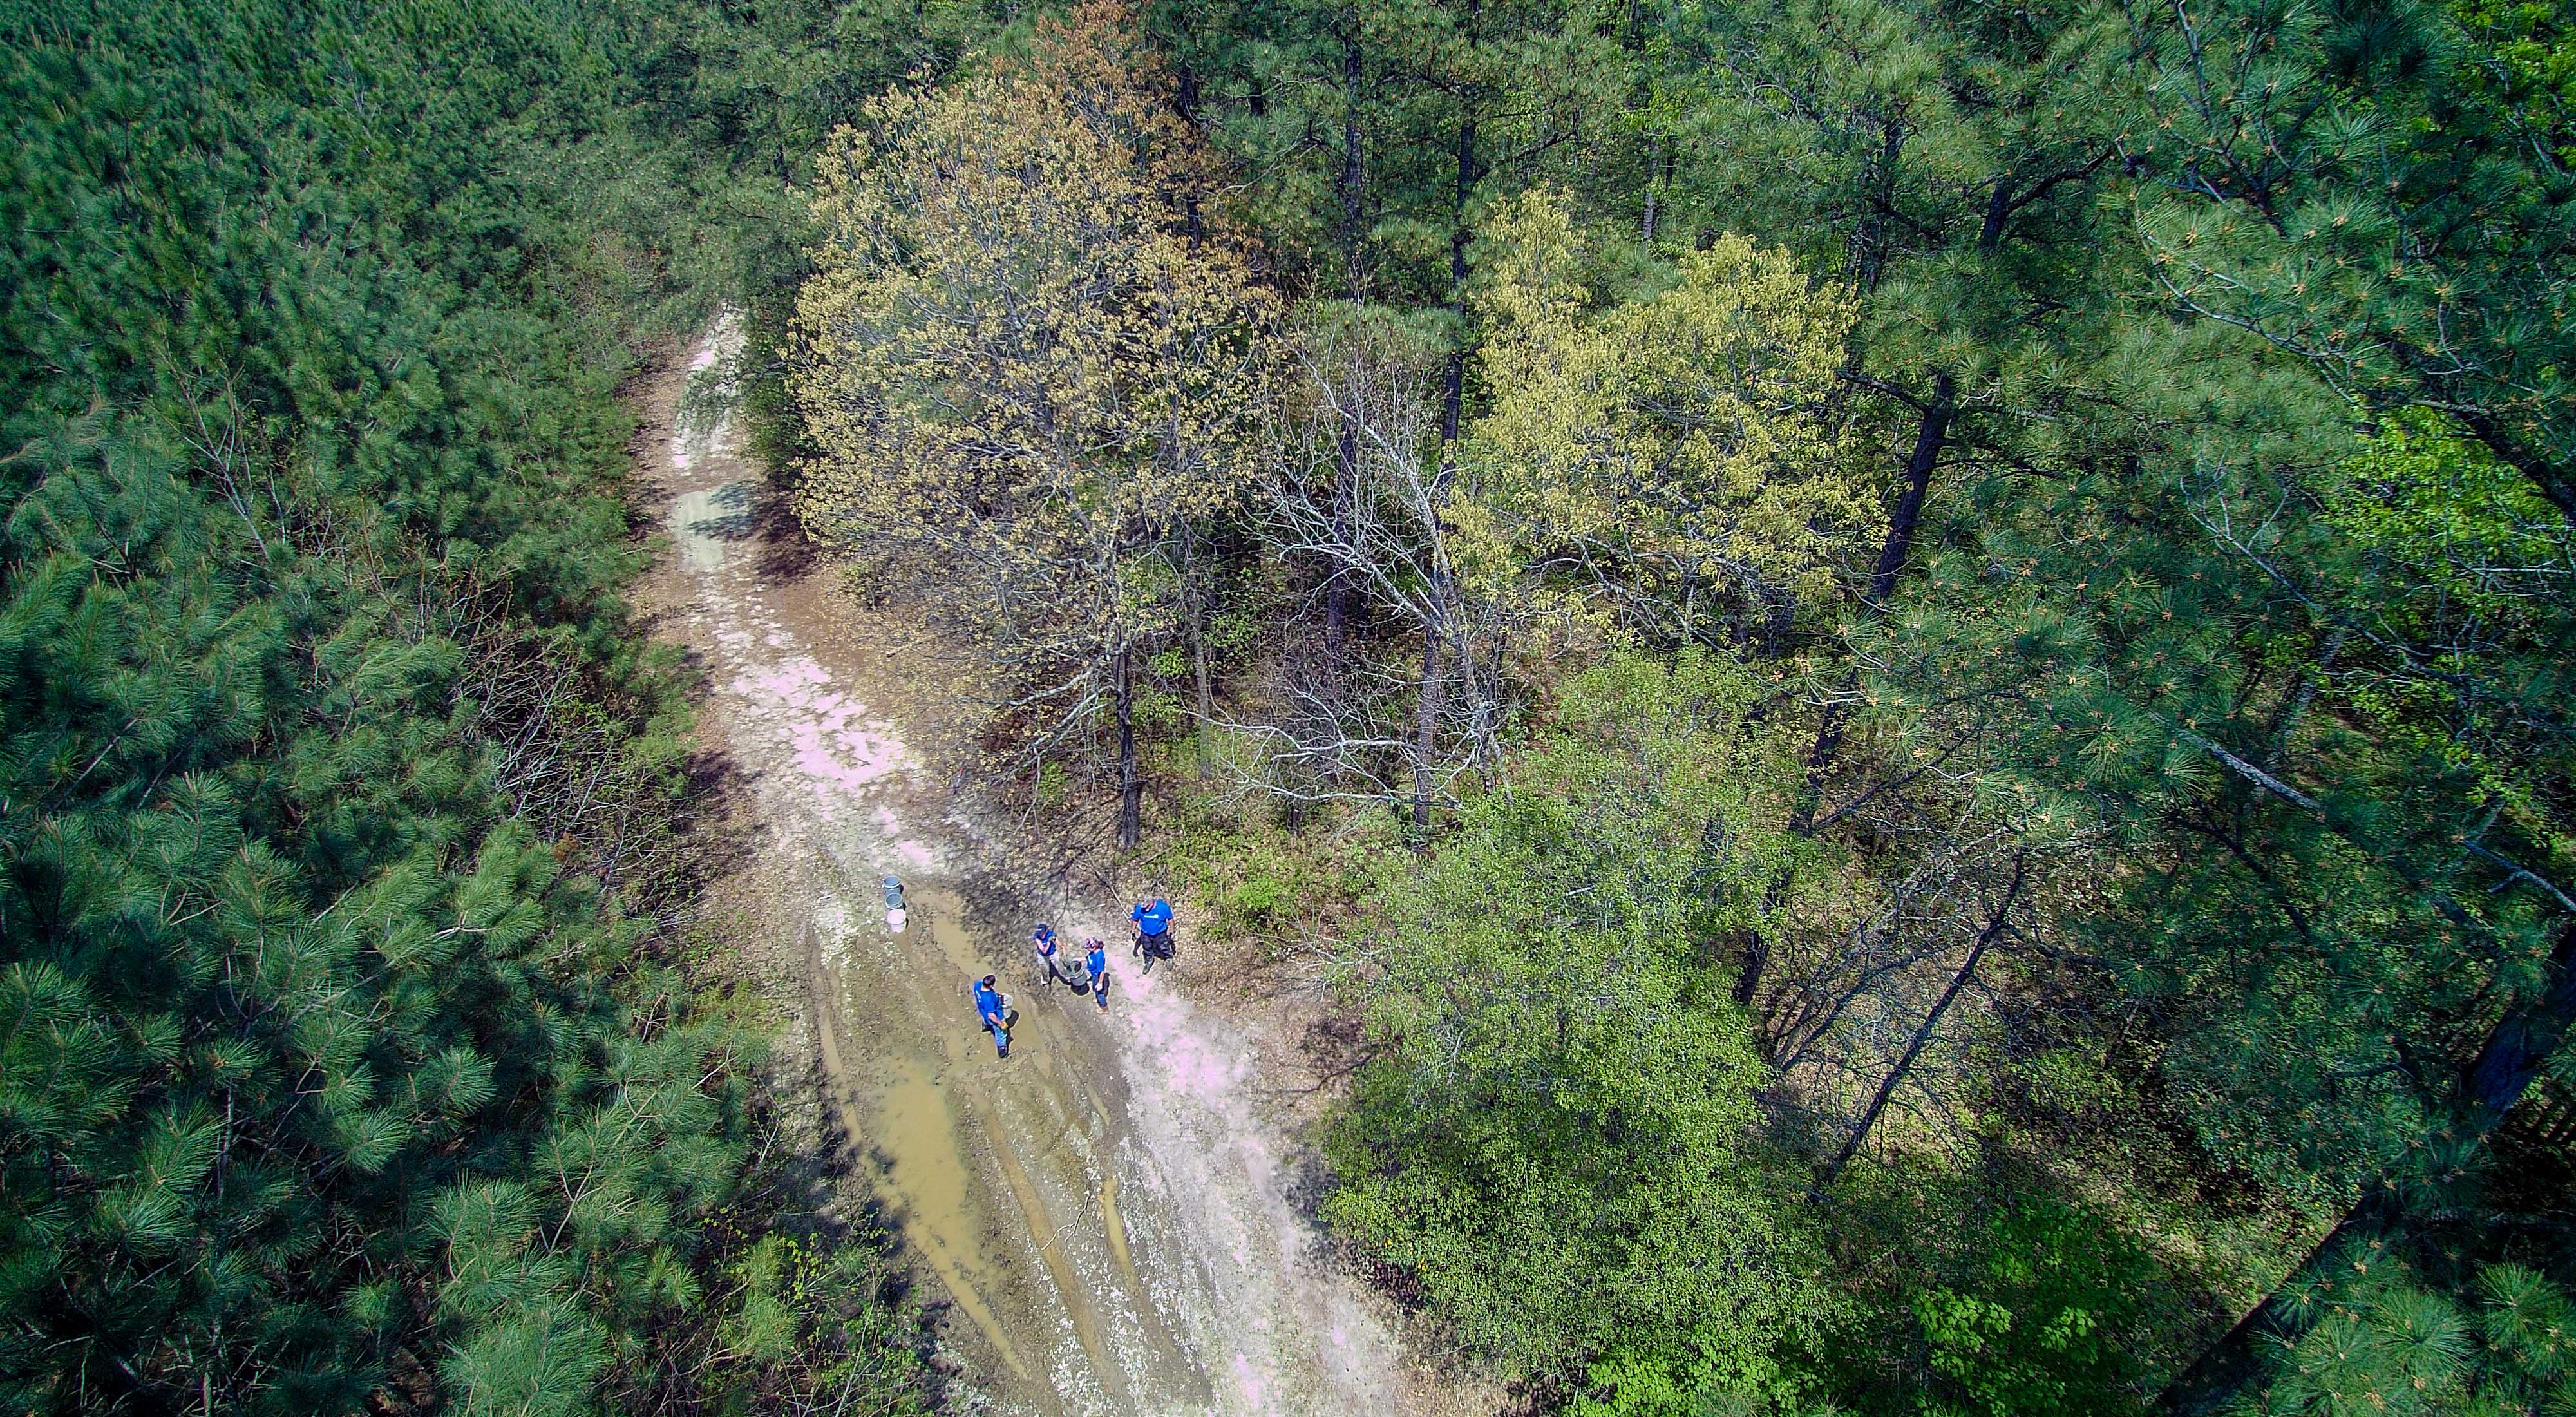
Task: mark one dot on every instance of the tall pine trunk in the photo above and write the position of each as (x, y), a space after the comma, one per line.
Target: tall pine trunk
(1207, 709)
(1349, 184)
(1654, 160)
(1194, 598)
(1931, 434)
(1131, 786)
(1453, 382)
(1427, 725)
(1337, 583)
(2483, 1095)
(1452, 392)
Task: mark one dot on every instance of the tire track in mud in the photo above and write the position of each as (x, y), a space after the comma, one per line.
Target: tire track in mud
(1105, 1210)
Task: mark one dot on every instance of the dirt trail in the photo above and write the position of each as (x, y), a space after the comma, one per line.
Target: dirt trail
(1107, 1210)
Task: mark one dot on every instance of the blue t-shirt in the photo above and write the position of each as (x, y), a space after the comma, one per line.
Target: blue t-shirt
(1152, 919)
(1097, 962)
(988, 1005)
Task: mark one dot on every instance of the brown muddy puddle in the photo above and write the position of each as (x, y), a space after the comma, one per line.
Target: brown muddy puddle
(998, 1170)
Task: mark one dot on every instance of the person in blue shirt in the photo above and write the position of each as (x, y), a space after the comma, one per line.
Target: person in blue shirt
(992, 1012)
(1042, 939)
(1153, 931)
(1098, 963)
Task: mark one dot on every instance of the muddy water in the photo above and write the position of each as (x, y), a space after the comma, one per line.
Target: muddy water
(1103, 1213)
(996, 1168)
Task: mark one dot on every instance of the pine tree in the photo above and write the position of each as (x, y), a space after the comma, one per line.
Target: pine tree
(2379, 193)
(334, 1067)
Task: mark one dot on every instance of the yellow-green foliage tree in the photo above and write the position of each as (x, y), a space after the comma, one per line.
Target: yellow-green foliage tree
(1682, 453)
(1032, 350)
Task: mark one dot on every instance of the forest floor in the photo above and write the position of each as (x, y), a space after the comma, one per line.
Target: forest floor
(1107, 1222)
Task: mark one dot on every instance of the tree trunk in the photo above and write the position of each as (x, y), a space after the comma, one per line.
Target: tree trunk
(1186, 101)
(2485, 1093)
(1654, 159)
(1452, 389)
(1427, 727)
(2546, 476)
(1748, 973)
(1757, 954)
(1337, 582)
(1354, 171)
(1914, 1046)
(1131, 787)
(2494, 1080)
(1350, 184)
(1931, 435)
(1453, 379)
(2233, 1360)
(1199, 672)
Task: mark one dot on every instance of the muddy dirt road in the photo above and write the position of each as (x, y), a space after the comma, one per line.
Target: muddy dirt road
(1106, 1213)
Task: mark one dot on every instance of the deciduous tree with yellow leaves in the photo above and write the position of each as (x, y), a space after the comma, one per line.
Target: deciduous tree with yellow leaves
(1680, 455)
(1032, 351)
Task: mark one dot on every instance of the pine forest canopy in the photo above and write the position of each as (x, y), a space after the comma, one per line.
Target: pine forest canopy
(343, 1062)
(1908, 666)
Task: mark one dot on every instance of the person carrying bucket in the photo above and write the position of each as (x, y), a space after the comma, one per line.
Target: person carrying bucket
(993, 1012)
(1042, 939)
(1153, 921)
